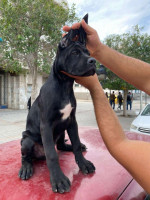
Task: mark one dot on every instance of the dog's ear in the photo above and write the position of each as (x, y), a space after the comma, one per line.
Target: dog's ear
(68, 38)
(86, 18)
(63, 43)
(82, 33)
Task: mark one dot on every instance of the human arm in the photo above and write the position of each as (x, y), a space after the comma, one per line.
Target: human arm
(133, 155)
(132, 70)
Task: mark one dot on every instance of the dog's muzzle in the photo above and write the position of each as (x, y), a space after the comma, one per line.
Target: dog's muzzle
(90, 72)
(91, 61)
(91, 67)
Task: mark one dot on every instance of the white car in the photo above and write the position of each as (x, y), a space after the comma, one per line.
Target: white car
(141, 124)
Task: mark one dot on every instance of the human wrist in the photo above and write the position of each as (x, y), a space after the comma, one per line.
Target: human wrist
(96, 88)
(98, 51)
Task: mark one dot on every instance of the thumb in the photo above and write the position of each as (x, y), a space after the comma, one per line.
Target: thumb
(88, 29)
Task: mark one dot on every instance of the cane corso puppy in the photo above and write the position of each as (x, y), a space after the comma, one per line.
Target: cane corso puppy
(53, 112)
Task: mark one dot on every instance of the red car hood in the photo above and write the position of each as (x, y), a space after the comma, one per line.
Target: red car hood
(108, 182)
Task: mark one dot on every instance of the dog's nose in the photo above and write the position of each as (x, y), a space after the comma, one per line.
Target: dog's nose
(91, 61)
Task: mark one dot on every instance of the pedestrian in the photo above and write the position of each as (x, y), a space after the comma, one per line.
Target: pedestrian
(129, 100)
(106, 94)
(120, 98)
(112, 100)
(132, 154)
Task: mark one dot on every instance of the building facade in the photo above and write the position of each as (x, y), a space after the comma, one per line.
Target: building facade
(15, 90)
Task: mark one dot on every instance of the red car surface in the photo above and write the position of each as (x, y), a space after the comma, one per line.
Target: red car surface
(109, 182)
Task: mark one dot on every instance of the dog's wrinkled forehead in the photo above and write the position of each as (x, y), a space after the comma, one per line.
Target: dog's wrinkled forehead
(68, 38)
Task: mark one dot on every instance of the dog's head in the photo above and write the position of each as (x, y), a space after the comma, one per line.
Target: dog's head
(72, 56)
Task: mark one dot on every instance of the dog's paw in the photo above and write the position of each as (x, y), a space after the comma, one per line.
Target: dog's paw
(26, 171)
(86, 166)
(83, 147)
(60, 183)
(65, 147)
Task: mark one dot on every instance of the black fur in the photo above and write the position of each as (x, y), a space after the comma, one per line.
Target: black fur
(45, 125)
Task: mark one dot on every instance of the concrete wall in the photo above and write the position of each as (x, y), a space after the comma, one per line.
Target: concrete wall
(19, 90)
(83, 95)
(16, 91)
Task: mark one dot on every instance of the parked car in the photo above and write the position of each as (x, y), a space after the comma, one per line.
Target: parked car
(110, 181)
(141, 124)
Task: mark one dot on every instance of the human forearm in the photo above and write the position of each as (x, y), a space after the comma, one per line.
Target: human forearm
(107, 120)
(132, 70)
(131, 154)
(125, 151)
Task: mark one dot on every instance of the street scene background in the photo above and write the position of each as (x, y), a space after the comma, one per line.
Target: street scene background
(12, 122)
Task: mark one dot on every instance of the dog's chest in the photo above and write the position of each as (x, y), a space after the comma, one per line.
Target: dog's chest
(66, 111)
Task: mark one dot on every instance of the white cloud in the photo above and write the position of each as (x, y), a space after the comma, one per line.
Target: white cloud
(113, 16)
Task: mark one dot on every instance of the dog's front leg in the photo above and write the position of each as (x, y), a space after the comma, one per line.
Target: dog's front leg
(84, 165)
(60, 183)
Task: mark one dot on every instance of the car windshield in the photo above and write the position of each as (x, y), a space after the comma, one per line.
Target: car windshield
(146, 111)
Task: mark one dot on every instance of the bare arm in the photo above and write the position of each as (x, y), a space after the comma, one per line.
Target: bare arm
(132, 70)
(133, 155)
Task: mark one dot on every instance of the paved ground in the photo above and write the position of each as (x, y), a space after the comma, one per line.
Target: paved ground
(12, 122)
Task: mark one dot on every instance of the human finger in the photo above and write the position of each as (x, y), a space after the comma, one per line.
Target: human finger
(63, 34)
(76, 25)
(88, 29)
(66, 28)
(76, 38)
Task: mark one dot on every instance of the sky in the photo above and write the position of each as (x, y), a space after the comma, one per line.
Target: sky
(114, 16)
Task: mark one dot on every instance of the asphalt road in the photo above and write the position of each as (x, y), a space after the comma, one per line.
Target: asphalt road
(12, 122)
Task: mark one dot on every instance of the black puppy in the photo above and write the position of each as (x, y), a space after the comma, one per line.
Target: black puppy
(53, 112)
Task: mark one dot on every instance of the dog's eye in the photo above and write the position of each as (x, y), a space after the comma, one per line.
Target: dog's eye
(75, 52)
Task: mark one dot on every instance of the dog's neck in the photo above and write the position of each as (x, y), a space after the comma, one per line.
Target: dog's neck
(63, 79)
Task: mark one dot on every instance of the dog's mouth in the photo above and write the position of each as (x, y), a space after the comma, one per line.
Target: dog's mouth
(90, 72)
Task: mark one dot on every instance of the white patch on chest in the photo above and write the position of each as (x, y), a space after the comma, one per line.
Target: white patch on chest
(66, 111)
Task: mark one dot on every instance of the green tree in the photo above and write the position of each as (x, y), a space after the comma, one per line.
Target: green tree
(135, 44)
(31, 30)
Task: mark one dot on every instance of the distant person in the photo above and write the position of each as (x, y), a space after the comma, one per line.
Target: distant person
(106, 94)
(120, 98)
(112, 100)
(129, 100)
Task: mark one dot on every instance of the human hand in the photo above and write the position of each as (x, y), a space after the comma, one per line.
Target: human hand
(89, 82)
(93, 42)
